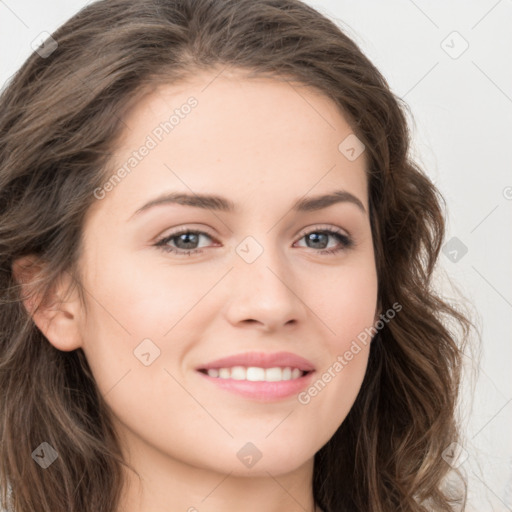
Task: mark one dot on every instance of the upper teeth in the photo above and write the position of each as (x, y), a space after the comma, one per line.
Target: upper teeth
(254, 373)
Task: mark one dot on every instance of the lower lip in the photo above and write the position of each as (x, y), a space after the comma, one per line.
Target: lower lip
(262, 390)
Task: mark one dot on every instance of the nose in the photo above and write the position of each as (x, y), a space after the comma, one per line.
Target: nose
(264, 293)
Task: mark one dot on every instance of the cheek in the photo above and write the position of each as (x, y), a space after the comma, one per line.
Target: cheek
(133, 298)
(125, 309)
(347, 309)
(345, 302)
(333, 391)
(329, 398)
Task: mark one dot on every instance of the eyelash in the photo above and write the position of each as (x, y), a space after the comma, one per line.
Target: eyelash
(346, 241)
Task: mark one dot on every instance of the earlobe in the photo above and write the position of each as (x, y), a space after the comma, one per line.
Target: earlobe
(59, 317)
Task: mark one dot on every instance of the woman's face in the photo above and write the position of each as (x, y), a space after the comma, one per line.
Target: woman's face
(258, 280)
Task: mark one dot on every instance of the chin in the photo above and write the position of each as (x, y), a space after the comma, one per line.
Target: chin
(277, 457)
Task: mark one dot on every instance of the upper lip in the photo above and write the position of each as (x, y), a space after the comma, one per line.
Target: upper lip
(261, 360)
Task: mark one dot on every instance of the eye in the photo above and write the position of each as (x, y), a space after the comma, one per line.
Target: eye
(320, 236)
(185, 241)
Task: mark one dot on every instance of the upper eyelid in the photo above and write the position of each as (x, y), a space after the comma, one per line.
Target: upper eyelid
(319, 227)
(326, 227)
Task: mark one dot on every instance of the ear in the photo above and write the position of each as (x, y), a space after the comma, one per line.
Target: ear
(59, 318)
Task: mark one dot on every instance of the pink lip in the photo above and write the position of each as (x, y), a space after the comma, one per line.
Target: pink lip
(260, 390)
(261, 360)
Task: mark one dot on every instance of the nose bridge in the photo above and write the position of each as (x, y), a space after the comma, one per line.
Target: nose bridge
(263, 284)
(262, 258)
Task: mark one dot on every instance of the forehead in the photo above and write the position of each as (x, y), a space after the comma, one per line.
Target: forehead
(253, 138)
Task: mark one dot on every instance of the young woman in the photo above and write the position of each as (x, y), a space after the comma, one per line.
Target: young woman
(216, 261)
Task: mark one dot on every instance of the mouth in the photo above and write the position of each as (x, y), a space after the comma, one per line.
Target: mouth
(255, 373)
(260, 376)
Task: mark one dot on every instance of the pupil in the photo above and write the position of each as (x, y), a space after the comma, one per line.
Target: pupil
(313, 237)
(185, 237)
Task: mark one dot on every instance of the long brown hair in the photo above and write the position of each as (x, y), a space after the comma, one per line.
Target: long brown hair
(60, 116)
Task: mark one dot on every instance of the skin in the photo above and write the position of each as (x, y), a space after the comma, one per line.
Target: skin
(263, 144)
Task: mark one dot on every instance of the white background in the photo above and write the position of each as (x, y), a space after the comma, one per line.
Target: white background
(462, 119)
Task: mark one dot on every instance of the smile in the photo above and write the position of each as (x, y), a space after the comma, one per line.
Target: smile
(256, 374)
(258, 384)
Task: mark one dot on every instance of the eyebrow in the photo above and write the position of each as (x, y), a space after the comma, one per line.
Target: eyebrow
(218, 203)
